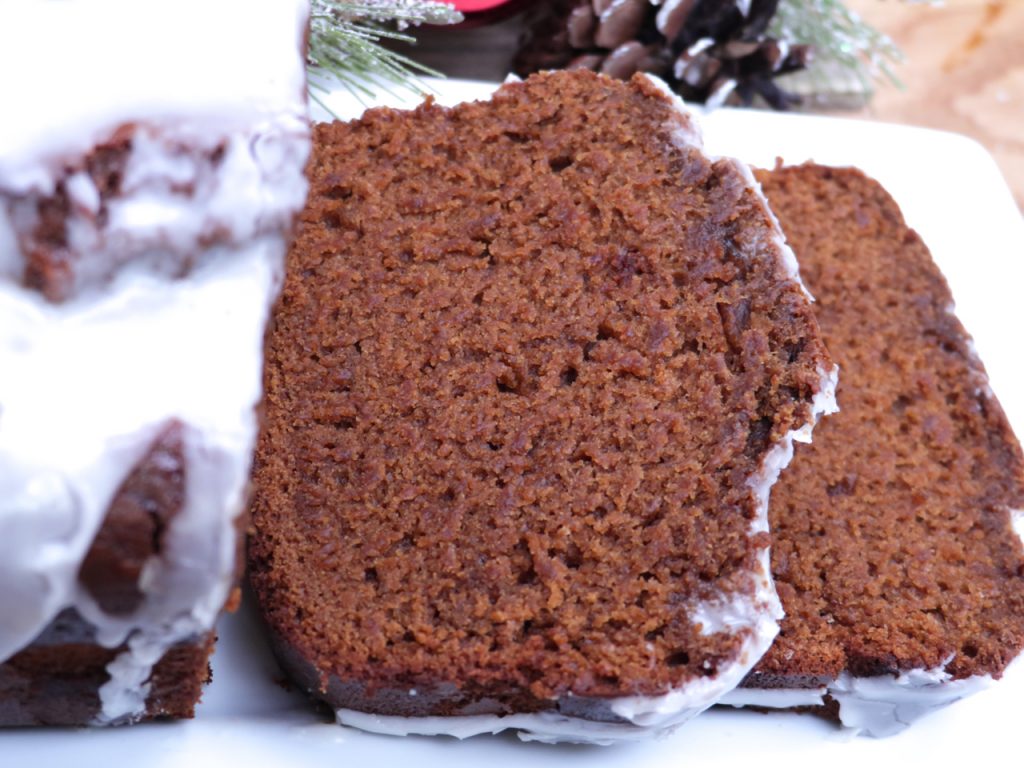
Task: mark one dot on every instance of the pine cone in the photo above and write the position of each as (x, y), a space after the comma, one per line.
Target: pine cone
(709, 51)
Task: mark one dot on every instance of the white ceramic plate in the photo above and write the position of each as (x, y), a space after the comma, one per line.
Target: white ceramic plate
(952, 193)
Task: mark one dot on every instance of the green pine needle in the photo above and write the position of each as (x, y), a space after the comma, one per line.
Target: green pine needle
(841, 40)
(345, 42)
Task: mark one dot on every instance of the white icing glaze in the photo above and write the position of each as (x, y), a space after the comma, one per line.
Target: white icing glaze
(88, 384)
(759, 616)
(824, 402)
(146, 351)
(1017, 522)
(661, 715)
(729, 615)
(658, 715)
(873, 706)
(181, 109)
(118, 60)
(775, 698)
(688, 132)
(885, 705)
(546, 727)
(172, 201)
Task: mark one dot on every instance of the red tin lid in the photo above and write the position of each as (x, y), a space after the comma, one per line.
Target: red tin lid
(471, 6)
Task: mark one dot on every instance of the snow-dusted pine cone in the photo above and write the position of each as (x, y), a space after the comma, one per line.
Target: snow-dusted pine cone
(709, 51)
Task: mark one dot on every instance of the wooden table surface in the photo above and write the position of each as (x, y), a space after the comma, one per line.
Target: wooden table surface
(964, 68)
(964, 72)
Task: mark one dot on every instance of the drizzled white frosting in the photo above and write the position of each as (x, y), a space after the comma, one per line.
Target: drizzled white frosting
(96, 380)
(216, 66)
(688, 133)
(644, 716)
(1017, 522)
(88, 384)
(545, 727)
(885, 705)
(873, 706)
(206, 141)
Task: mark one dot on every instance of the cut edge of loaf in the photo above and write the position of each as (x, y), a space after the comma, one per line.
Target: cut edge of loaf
(885, 701)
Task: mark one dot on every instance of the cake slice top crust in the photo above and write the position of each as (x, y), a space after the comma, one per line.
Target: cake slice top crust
(535, 364)
(893, 545)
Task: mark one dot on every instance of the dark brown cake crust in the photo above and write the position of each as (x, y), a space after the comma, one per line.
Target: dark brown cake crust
(892, 546)
(56, 679)
(451, 494)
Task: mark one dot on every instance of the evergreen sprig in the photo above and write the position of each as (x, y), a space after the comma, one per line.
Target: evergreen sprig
(841, 40)
(345, 42)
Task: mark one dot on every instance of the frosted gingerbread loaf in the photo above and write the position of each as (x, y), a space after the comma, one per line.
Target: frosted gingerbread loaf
(893, 541)
(146, 200)
(537, 362)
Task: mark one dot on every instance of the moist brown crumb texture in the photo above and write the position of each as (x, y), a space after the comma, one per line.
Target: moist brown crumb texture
(527, 357)
(891, 542)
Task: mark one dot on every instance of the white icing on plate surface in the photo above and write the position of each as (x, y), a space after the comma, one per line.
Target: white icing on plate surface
(887, 704)
(881, 706)
(247, 718)
(544, 727)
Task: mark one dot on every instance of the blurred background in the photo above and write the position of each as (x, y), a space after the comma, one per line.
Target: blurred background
(963, 71)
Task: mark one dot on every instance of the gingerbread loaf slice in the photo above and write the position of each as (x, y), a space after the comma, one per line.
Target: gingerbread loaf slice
(537, 363)
(893, 547)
